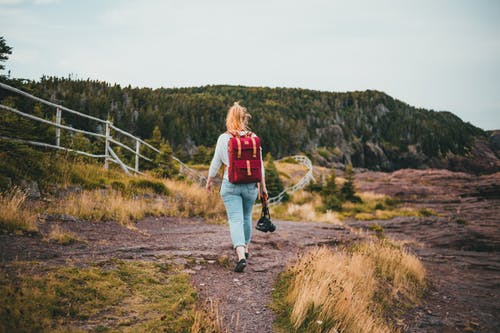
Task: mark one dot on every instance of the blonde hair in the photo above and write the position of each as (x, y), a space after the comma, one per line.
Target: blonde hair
(237, 118)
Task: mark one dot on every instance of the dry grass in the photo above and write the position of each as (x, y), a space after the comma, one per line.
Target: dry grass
(303, 206)
(15, 215)
(347, 291)
(60, 236)
(208, 320)
(183, 200)
(291, 172)
(102, 205)
(307, 206)
(187, 200)
(394, 264)
(305, 212)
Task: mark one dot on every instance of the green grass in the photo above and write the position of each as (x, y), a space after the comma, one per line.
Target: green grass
(126, 296)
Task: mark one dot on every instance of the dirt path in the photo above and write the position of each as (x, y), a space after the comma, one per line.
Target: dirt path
(242, 298)
(462, 259)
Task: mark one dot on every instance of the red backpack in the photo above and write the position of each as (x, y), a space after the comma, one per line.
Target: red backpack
(245, 165)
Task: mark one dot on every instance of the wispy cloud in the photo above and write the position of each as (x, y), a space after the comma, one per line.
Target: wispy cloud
(46, 2)
(440, 55)
(10, 2)
(35, 2)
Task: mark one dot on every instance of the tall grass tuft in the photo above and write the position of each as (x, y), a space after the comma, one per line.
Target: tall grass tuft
(208, 320)
(347, 291)
(15, 215)
(183, 200)
(190, 200)
(60, 236)
(100, 205)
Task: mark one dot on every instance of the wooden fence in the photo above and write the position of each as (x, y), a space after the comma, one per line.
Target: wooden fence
(109, 155)
(110, 137)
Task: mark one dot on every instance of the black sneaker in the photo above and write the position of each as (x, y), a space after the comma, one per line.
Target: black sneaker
(240, 266)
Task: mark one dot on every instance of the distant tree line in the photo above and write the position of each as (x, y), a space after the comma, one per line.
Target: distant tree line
(340, 126)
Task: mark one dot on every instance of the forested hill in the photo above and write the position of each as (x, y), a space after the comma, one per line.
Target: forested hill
(369, 128)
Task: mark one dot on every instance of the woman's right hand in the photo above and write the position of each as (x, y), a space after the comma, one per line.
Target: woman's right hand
(208, 186)
(263, 191)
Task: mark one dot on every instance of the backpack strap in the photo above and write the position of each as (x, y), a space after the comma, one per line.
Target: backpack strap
(238, 141)
(254, 144)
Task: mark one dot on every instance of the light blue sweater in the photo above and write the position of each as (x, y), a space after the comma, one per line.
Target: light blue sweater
(221, 156)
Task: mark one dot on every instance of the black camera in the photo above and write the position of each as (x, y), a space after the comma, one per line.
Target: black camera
(264, 224)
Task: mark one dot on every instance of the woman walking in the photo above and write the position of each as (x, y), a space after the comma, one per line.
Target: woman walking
(238, 198)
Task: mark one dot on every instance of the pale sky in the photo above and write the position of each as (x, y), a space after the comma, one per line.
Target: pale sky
(435, 54)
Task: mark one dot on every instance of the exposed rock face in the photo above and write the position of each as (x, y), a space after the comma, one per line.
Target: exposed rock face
(495, 142)
(481, 160)
(31, 188)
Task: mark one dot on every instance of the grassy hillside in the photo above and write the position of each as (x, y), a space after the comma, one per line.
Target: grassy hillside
(370, 128)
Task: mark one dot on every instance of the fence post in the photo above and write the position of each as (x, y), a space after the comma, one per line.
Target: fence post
(137, 149)
(106, 148)
(58, 130)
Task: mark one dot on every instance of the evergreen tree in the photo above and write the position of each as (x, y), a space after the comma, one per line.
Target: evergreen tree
(167, 167)
(273, 182)
(155, 140)
(330, 194)
(80, 142)
(202, 155)
(330, 187)
(348, 191)
(193, 116)
(163, 163)
(5, 50)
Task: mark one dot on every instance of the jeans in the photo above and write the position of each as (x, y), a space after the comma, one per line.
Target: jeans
(239, 200)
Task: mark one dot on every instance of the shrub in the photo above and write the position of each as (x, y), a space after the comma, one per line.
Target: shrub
(157, 186)
(391, 202)
(273, 182)
(119, 186)
(332, 202)
(314, 187)
(426, 212)
(330, 195)
(348, 191)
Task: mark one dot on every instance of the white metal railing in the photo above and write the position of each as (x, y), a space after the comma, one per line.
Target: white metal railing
(109, 154)
(306, 179)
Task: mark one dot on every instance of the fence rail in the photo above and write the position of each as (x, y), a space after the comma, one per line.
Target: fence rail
(306, 179)
(111, 156)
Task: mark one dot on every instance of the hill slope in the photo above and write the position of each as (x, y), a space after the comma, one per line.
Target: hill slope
(369, 129)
